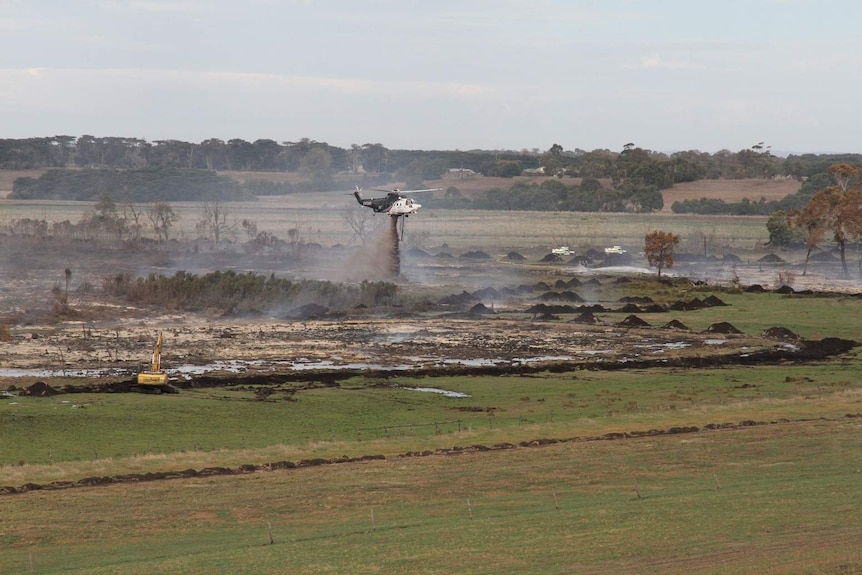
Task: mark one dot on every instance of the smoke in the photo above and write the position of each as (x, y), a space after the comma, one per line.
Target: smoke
(378, 259)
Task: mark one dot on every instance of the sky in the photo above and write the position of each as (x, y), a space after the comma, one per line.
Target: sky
(665, 75)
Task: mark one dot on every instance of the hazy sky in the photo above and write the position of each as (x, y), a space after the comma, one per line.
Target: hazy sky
(444, 74)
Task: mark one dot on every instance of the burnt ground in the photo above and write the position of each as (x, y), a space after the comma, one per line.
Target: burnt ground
(458, 315)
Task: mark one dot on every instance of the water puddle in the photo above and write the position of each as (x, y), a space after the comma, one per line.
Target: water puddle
(445, 392)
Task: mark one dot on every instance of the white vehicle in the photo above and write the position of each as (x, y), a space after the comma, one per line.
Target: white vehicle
(562, 251)
(614, 250)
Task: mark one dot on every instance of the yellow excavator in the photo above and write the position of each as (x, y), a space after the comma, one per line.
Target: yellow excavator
(154, 379)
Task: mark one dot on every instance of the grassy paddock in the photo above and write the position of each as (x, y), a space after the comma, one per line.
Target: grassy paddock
(776, 499)
(320, 217)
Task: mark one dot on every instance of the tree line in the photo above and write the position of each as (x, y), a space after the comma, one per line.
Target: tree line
(267, 155)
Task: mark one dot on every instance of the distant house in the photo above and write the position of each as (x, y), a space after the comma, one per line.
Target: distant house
(461, 172)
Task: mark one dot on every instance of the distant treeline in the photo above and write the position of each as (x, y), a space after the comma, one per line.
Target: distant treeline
(553, 195)
(146, 185)
(634, 173)
(267, 155)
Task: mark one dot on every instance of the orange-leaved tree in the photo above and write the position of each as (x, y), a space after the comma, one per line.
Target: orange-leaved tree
(837, 208)
(658, 248)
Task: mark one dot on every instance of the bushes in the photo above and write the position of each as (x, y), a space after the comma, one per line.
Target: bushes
(230, 292)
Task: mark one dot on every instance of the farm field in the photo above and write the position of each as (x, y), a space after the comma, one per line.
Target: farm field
(416, 437)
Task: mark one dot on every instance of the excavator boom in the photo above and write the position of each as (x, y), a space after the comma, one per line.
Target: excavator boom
(154, 379)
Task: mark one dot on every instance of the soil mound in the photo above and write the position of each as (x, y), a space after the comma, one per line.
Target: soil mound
(633, 321)
(481, 309)
(617, 260)
(785, 289)
(573, 283)
(780, 333)
(444, 256)
(713, 301)
(722, 327)
(39, 389)
(551, 258)
(629, 308)
(675, 324)
(514, 257)
(755, 288)
(731, 258)
(457, 299)
(569, 296)
(307, 312)
(541, 308)
(595, 308)
(655, 308)
(486, 293)
(587, 317)
(771, 259)
(636, 299)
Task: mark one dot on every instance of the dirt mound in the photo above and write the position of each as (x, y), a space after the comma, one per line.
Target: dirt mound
(587, 317)
(655, 308)
(755, 288)
(722, 327)
(573, 283)
(514, 257)
(444, 255)
(785, 289)
(307, 312)
(780, 333)
(541, 308)
(475, 255)
(39, 389)
(569, 296)
(481, 309)
(771, 259)
(617, 260)
(486, 293)
(675, 324)
(696, 304)
(636, 299)
(551, 258)
(633, 321)
(731, 258)
(457, 299)
(630, 308)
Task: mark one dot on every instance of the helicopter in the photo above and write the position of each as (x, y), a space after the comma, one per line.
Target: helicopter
(394, 203)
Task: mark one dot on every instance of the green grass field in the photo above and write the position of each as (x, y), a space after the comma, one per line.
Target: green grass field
(781, 497)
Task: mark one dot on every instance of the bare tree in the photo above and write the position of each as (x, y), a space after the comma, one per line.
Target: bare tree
(216, 221)
(162, 217)
(133, 213)
(361, 221)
